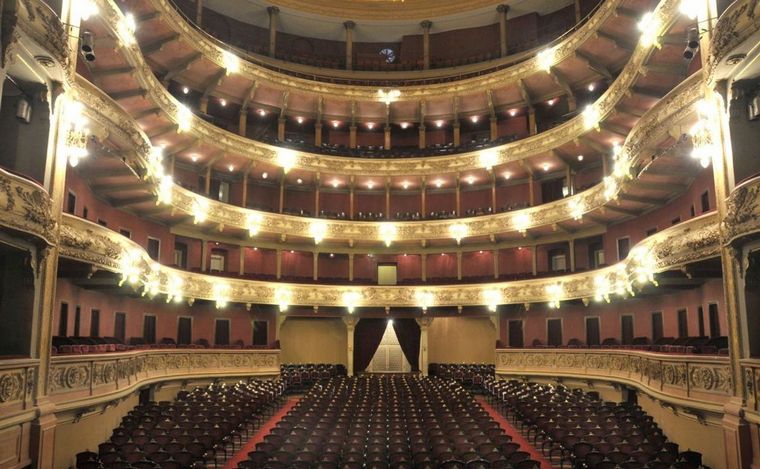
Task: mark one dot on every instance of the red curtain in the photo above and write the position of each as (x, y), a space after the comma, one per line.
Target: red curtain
(367, 337)
(408, 333)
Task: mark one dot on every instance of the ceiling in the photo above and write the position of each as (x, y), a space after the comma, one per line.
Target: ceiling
(389, 22)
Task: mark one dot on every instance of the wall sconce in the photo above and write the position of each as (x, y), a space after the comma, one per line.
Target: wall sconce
(458, 231)
(388, 233)
(351, 299)
(318, 231)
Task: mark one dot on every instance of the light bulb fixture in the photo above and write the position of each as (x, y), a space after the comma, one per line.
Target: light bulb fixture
(77, 134)
(351, 300)
(185, 90)
(576, 209)
(370, 125)
(336, 124)
(223, 102)
(438, 183)
(231, 168)
(126, 29)
(470, 179)
(335, 183)
(507, 175)
(184, 117)
(405, 125)
(129, 266)
(299, 181)
(591, 116)
(522, 222)
(282, 296)
(200, 210)
(649, 26)
(424, 299)
(512, 112)
(264, 175)
(405, 185)
(370, 185)
(299, 119)
(545, 59)
(690, 8)
(230, 62)
(474, 119)
(318, 231)
(580, 157)
(602, 288)
(253, 223)
(643, 265)
(389, 96)
(554, 292)
(262, 112)
(286, 159)
(439, 124)
(388, 233)
(174, 289)
(591, 87)
(221, 294)
(492, 299)
(165, 190)
(703, 147)
(458, 231)
(87, 9)
(545, 167)
(488, 158)
(610, 188)
(152, 281)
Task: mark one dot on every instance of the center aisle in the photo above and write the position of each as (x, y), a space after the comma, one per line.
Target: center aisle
(258, 437)
(514, 433)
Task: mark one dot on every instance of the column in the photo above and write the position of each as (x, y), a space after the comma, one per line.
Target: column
(459, 265)
(349, 25)
(316, 196)
(315, 268)
(204, 255)
(422, 143)
(503, 10)
(208, 180)
(457, 134)
(203, 105)
(278, 272)
(350, 266)
(350, 323)
(387, 142)
(577, 11)
(244, 202)
(388, 198)
(495, 264)
(352, 136)
(426, 25)
(569, 180)
(279, 320)
(605, 165)
(281, 129)
(534, 260)
(242, 261)
(318, 134)
(423, 267)
(493, 191)
(351, 184)
(199, 12)
(243, 122)
(571, 248)
(424, 325)
(282, 192)
(458, 197)
(423, 196)
(532, 127)
(531, 191)
(274, 12)
(494, 127)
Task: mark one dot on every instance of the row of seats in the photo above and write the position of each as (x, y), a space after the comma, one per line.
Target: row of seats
(195, 429)
(299, 377)
(576, 427)
(700, 344)
(380, 422)
(84, 345)
(469, 375)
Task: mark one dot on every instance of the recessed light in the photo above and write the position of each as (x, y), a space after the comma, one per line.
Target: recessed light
(185, 90)
(580, 157)
(264, 175)
(591, 87)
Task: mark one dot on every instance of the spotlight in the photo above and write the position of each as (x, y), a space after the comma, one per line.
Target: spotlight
(87, 46)
(692, 44)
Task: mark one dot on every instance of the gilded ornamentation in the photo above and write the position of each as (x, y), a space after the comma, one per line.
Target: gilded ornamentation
(11, 388)
(743, 211)
(734, 26)
(710, 379)
(26, 207)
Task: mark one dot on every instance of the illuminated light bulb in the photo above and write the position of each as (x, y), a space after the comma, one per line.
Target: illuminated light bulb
(470, 179)
(185, 90)
(458, 231)
(223, 102)
(220, 293)
(231, 168)
(77, 133)
(335, 183)
(507, 175)
(439, 124)
(545, 59)
(370, 125)
(200, 210)
(166, 190)
(690, 8)
(591, 116)
(591, 87)
(551, 102)
(184, 118)
(701, 135)
(492, 298)
(126, 29)
(388, 233)
(555, 295)
(617, 150)
(129, 267)
(286, 159)
(513, 112)
(405, 185)
(424, 299)
(282, 297)
(545, 167)
(174, 287)
(488, 159)
(87, 9)
(336, 124)
(152, 281)
(370, 185)
(405, 125)
(253, 223)
(264, 175)
(438, 183)
(602, 288)
(318, 231)
(351, 300)
(299, 119)
(230, 62)
(388, 96)
(475, 119)
(580, 157)
(299, 181)
(194, 158)
(576, 209)
(649, 26)
(522, 222)
(610, 188)
(262, 112)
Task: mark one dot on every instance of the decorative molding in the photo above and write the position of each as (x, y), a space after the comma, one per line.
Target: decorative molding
(742, 211)
(77, 377)
(696, 381)
(738, 23)
(37, 22)
(681, 244)
(669, 112)
(26, 207)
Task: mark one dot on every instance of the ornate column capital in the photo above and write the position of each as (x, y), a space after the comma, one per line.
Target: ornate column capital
(273, 10)
(426, 25)
(504, 9)
(349, 24)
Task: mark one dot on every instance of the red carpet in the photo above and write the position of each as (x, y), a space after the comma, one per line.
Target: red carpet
(242, 455)
(514, 433)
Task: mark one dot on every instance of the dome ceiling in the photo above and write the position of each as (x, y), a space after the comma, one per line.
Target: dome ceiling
(376, 20)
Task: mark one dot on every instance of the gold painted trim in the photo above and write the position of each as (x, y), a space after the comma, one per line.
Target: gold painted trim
(386, 10)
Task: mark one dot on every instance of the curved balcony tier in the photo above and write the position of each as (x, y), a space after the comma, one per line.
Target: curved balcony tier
(604, 202)
(688, 242)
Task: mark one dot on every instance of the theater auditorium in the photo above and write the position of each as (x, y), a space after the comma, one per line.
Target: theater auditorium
(380, 234)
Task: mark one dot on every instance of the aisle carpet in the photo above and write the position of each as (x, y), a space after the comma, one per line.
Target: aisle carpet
(258, 437)
(514, 433)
